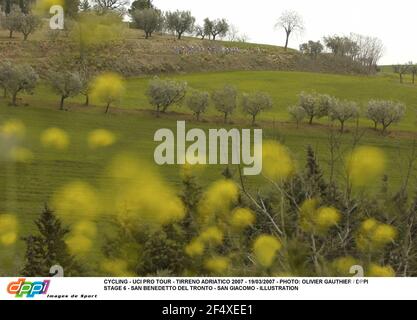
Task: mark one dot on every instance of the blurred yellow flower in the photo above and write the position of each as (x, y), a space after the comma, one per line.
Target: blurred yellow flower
(195, 248)
(374, 235)
(242, 218)
(140, 197)
(101, 138)
(276, 161)
(342, 265)
(77, 199)
(327, 218)
(42, 7)
(21, 155)
(217, 265)
(79, 244)
(212, 235)
(8, 229)
(384, 234)
(218, 199)
(13, 129)
(365, 165)
(375, 270)
(85, 228)
(116, 268)
(92, 29)
(317, 220)
(107, 89)
(55, 138)
(265, 249)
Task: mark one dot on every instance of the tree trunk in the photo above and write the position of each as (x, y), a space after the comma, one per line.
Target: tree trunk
(342, 126)
(107, 108)
(225, 117)
(253, 120)
(287, 39)
(14, 99)
(179, 36)
(87, 100)
(61, 105)
(214, 37)
(311, 120)
(197, 116)
(25, 37)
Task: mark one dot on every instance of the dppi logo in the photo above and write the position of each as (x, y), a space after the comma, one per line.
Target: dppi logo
(22, 287)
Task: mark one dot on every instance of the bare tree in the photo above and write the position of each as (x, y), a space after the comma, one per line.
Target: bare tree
(105, 5)
(291, 22)
(402, 69)
(369, 50)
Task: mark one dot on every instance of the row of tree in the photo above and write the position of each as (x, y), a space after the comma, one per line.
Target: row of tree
(316, 106)
(164, 93)
(178, 22)
(363, 49)
(404, 69)
(19, 21)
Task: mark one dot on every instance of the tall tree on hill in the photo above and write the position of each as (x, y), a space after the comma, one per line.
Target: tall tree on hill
(180, 22)
(291, 22)
(103, 6)
(149, 20)
(48, 248)
(220, 27)
(141, 5)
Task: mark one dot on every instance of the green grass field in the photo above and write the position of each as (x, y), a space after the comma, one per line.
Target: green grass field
(24, 188)
(282, 86)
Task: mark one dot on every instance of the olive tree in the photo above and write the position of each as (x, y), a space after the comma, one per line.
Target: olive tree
(220, 27)
(66, 84)
(255, 103)
(315, 105)
(297, 113)
(149, 20)
(225, 100)
(29, 23)
(385, 112)
(11, 22)
(197, 102)
(180, 22)
(21, 78)
(291, 22)
(343, 111)
(164, 93)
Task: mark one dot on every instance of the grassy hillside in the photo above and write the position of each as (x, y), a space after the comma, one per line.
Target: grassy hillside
(28, 186)
(283, 87)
